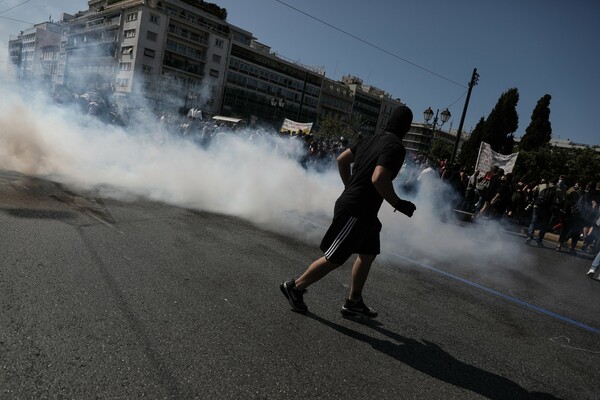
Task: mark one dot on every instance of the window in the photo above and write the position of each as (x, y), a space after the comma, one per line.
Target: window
(125, 66)
(122, 82)
(125, 50)
(129, 33)
(146, 69)
(151, 36)
(155, 19)
(214, 72)
(219, 43)
(216, 58)
(149, 53)
(131, 17)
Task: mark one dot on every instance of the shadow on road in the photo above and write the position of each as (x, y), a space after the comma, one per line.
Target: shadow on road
(39, 214)
(432, 360)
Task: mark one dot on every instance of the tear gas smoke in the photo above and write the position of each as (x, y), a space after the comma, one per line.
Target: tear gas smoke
(259, 180)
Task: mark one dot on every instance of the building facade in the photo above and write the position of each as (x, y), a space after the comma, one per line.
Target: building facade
(34, 54)
(173, 55)
(163, 55)
(264, 86)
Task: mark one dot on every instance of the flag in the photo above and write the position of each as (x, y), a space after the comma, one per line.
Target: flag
(488, 158)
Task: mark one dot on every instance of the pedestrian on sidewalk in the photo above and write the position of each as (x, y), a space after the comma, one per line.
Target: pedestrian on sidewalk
(355, 227)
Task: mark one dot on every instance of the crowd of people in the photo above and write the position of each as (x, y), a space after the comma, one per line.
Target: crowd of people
(562, 205)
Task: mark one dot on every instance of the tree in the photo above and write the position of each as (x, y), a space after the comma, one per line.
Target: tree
(356, 123)
(440, 150)
(539, 131)
(502, 122)
(333, 127)
(547, 162)
(470, 148)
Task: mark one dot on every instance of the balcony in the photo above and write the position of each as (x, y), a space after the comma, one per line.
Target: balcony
(182, 33)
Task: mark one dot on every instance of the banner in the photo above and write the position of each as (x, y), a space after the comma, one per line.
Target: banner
(293, 126)
(488, 158)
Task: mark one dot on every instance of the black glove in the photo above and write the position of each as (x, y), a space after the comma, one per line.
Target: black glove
(405, 207)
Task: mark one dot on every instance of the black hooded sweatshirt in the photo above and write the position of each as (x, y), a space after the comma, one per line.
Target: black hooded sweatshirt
(360, 198)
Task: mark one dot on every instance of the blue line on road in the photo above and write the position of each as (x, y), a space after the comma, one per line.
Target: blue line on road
(502, 295)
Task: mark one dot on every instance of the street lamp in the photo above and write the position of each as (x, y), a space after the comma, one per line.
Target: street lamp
(428, 114)
(279, 104)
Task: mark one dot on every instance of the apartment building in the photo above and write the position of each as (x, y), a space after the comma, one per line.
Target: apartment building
(163, 55)
(265, 86)
(172, 55)
(34, 53)
(336, 100)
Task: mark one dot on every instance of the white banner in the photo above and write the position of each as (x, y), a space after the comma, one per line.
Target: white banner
(488, 158)
(293, 126)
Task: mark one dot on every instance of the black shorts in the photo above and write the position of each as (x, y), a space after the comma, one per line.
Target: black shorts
(349, 235)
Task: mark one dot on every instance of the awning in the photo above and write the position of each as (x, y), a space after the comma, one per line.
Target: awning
(226, 119)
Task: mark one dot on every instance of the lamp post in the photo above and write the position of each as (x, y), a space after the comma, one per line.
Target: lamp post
(191, 96)
(428, 114)
(279, 104)
(473, 82)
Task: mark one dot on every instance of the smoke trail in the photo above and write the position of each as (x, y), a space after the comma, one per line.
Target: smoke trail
(259, 180)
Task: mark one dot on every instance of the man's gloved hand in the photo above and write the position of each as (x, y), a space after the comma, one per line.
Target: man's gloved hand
(405, 207)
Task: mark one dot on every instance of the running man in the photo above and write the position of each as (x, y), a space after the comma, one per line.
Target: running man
(355, 227)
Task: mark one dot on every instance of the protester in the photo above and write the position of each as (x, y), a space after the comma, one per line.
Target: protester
(355, 227)
(491, 182)
(543, 199)
(573, 221)
(501, 200)
(470, 193)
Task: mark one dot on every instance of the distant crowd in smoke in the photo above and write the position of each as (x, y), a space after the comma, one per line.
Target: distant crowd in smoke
(450, 189)
(571, 210)
(286, 183)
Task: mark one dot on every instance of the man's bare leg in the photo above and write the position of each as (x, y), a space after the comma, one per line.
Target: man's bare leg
(360, 272)
(317, 270)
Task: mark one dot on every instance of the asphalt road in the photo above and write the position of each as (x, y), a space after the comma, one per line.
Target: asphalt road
(111, 299)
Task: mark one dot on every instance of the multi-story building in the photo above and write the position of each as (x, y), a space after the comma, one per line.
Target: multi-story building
(336, 100)
(34, 53)
(263, 85)
(418, 139)
(160, 54)
(177, 54)
(366, 107)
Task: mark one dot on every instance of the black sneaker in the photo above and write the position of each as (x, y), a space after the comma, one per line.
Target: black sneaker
(295, 296)
(357, 309)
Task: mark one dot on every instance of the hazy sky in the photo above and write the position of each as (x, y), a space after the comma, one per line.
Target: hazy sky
(424, 51)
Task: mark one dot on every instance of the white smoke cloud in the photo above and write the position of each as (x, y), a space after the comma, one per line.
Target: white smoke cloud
(259, 180)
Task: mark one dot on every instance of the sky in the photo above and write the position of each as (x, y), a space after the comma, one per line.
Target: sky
(424, 51)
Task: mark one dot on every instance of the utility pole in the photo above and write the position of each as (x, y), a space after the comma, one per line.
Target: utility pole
(474, 80)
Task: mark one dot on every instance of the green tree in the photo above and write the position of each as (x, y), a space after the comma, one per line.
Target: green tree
(539, 131)
(583, 165)
(333, 127)
(470, 148)
(356, 124)
(502, 122)
(440, 150)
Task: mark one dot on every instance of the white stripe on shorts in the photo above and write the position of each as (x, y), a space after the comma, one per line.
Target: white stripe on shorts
(340, 237)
